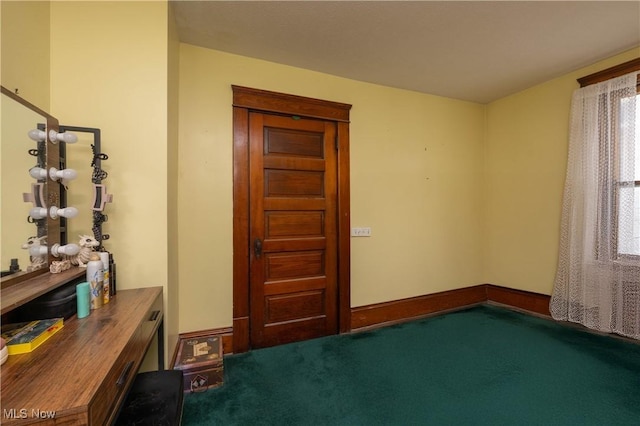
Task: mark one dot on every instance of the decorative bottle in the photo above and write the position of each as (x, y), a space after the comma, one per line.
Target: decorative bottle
(104, 257)
(95, 278)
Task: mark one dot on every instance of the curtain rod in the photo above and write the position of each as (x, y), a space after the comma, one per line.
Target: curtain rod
(609, 73)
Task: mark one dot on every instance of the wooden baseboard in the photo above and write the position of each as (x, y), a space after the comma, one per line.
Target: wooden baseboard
(386, 313)
(396, 311)
(526, 300)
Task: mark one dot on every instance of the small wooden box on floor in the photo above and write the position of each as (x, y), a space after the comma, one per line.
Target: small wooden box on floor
(200, 359)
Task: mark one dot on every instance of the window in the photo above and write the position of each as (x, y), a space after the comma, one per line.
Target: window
(628, 197)
(625, 192)
(598, 277)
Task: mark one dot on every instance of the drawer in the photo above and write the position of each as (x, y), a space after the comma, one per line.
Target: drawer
(152, 320)
(112, 391)
(119, 378)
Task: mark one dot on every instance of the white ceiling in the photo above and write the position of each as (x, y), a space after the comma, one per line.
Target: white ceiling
(475, 50)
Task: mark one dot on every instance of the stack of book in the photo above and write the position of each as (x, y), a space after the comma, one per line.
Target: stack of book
(25, 337)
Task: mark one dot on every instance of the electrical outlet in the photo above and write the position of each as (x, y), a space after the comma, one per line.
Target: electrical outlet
(361, 232)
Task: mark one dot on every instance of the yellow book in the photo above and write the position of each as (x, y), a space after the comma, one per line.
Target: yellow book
(27, 336)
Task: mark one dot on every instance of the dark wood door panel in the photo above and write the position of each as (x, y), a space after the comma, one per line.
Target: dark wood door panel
(294, 306)
(293, 331)
(293, 183)
(294, 224)
(285, 142)
(293, 136)
(295, 285)
(296, 264)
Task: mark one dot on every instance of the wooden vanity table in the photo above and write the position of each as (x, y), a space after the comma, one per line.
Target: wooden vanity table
(81, 374)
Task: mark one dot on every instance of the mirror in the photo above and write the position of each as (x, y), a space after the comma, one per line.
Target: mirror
(15, 162)
(78, 157)
(77, 148)
(18, 118)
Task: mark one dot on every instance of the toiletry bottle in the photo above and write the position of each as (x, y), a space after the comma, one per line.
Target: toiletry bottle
(112, 274)
(83, 299)
(95, 278)
(14, 267)
(104, 257)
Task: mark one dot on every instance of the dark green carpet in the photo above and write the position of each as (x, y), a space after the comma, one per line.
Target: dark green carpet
(481, 366)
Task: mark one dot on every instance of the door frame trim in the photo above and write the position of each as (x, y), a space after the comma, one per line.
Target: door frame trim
(246, 99)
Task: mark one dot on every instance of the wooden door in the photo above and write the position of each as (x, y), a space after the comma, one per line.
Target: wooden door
(293, 229)
(247, 101)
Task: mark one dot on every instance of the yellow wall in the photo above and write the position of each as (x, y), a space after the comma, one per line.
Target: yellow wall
(173, 70)
(525, 164)
(416, 175)
(456, 193)
(25, 65)
(109, 70)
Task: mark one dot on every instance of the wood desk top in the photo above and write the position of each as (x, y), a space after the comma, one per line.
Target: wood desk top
(19, 294)
(72, 376)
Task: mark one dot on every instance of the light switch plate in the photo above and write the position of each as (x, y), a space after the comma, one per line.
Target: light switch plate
(361, 232)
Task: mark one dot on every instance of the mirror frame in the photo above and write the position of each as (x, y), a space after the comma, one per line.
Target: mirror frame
(97, 216)
(52, 190)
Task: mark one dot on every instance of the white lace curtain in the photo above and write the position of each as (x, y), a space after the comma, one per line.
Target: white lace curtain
(598, 278)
